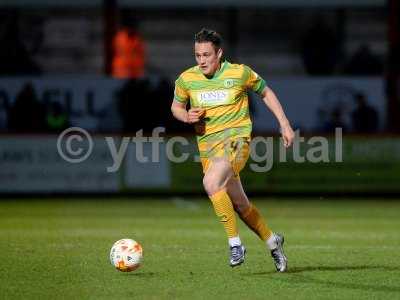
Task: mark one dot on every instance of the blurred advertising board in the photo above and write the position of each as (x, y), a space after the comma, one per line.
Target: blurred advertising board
(365, 164)
(312, 103)
(89, 102)
(33, 164)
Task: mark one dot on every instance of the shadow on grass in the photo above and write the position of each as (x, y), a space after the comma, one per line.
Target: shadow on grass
(142, 274)
(297, 271)
(340, 268)
(294, 270)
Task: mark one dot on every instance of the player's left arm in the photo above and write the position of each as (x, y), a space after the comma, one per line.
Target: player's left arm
(272, 102)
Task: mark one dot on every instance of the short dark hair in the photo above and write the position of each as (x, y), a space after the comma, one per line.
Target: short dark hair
(208, 35)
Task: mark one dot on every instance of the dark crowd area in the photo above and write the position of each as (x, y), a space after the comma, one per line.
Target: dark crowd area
(139, 105)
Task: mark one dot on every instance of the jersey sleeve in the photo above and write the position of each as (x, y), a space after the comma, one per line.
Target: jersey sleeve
(181, 94)
(253, 81)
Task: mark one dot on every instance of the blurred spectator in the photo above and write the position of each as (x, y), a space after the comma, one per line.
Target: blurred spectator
(364, 117)
(4, 110)
(27, 114)
(128, 50)
(145, 105)
(109, 119)
(364, 62)
(164, 93)
(332, 119)
(135, 105)
(14, 57)
(320, 49)
(57, 118)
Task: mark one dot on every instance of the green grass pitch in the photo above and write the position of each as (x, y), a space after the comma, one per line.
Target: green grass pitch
(50, 249)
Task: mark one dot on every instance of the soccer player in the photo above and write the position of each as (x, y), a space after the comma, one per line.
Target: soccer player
(219, 109)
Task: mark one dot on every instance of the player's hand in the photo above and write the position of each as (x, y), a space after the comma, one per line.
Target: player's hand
(195, 115)
(200, 127)
(287, 135)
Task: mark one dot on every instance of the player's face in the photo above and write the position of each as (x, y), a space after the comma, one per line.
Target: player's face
(207, 57)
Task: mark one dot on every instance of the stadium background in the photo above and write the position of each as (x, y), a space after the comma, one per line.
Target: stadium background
(319, 56)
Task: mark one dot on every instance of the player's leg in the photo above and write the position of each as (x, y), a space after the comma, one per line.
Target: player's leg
(215, 180)
(251, 216)
(247, 211)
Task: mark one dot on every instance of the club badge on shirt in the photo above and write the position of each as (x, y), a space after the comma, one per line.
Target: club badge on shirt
(228, 83)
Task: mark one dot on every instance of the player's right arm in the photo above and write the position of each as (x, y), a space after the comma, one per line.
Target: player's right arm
(179, 111)
(178, 107)
(192, 116)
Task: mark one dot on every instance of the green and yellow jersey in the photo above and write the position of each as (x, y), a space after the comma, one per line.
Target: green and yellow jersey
(224, 97)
